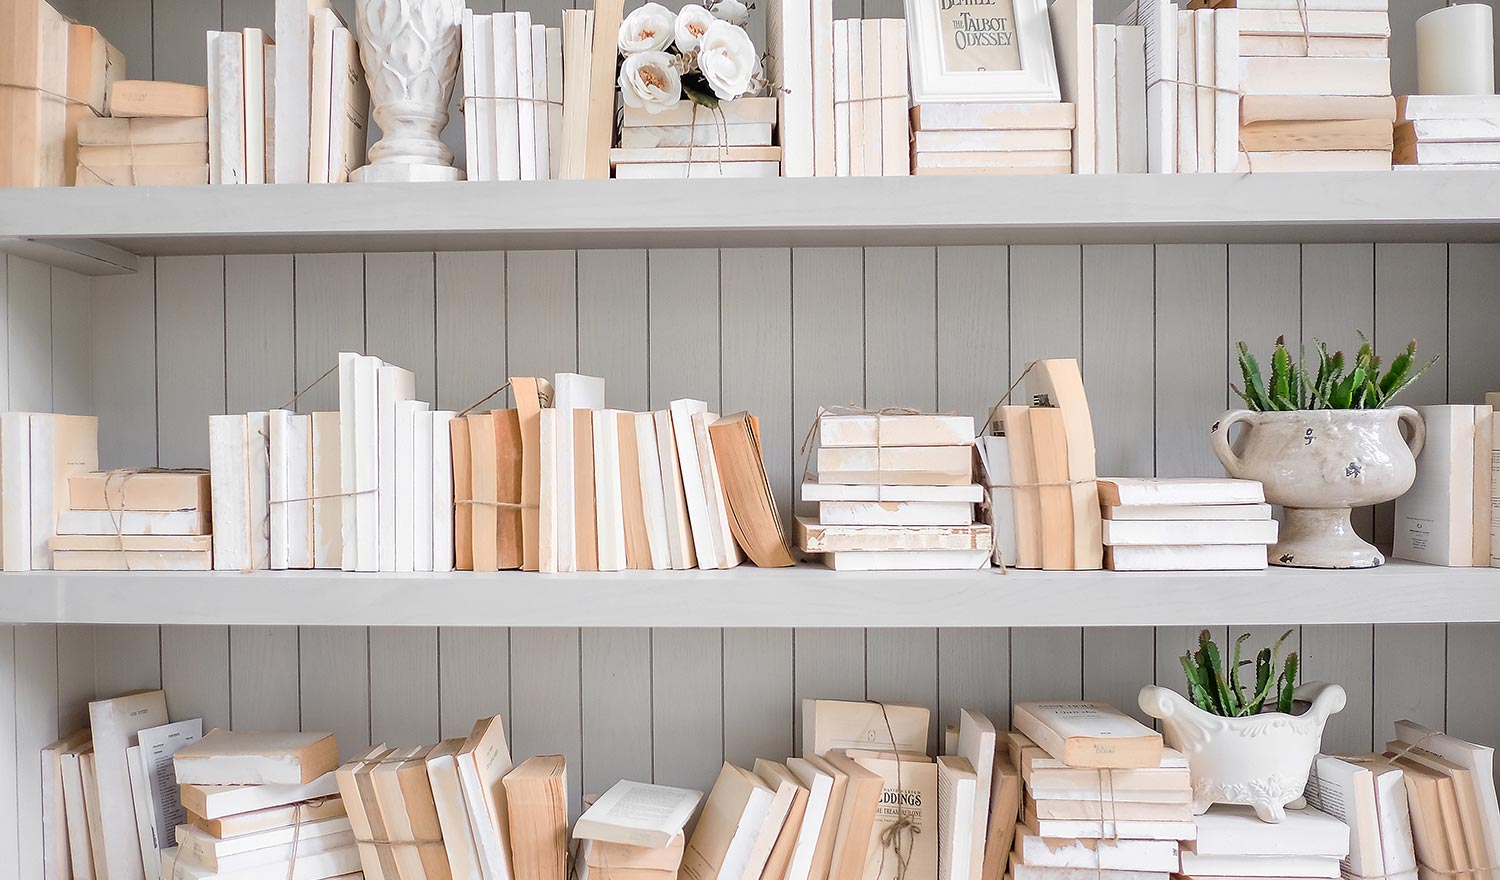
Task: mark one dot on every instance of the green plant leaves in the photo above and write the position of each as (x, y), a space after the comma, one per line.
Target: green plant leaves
(1293, 386)
(1217, 690)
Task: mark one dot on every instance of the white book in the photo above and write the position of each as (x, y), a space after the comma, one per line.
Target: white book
(393, 385)
(550, 492)
(158, 745)
(320, 105)
(976, 744)
(1342, 5)
(293, 69)
(815, 491)
(1345, 790)
(873, 118)
(453, 816)
(1102, 855)
(472, 30)
(694, 486)
(1183, 557)
(426, 515)
(789, 39)
(59, 446)
(440, 446)
(1152, 491)
(1032, 872)
(56, 858)
(856, 102)
(609, 505)
(784, 788)
(1464, 166)
(1072, 24)
(1088, 734)
(1435, 518)
(1322, 867)
(538, 106)
(405, 502)
(483, 762)
(696, 170)
(653, 497)
(253, 87)
(1448, 107)
(15, 490)
(1187, 93)
(333, 863)
(1451, 154)
(1315, 76)
(841, 98)
(263, 847)
(1106, 102)
(507, 114)
(957, 801)
(895, 118)
(135, 522)
(1159, 18)
(1215, 512)
(80, 846)
(994, 457)
(226, 111)
(1108, 829)
(1294, 21)
(554, 49)
(819, 786)
(907, 560)
(525, 88)
(291, 513)
(1117, 533)
(837, 429)
(218, 801)
(638, 814)
(1234, 830)
(713, 489)
(366, 485)
(1227, 84)
(570, 391)
(348, 535)
(823, 90)
(1203, 44)
(141, 800)
(1460, 131)
(115, 724)
(349, 109)
(1478, 759)
(680, 548)
(1130, 98)
(239, 453)
(701, 134)
(896, 513)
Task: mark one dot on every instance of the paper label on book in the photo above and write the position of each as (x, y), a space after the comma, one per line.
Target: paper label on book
(978, 35)
(158, 745)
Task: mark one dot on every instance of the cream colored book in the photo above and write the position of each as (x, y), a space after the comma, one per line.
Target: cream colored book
(1087, 809)
(326, 21)
(1187, 557)
(999, 140)
(1130, 98)
(896, 513)
(1118, 533)
(577, 40)
(549, 517)
(525, 89)
(871, 76)
(694, 486)
(989, 117)
(347, 785)
(815, 491)
(862, 793)
(608, 491)
(1206, 53)
(137, 98)
(1187, 93)
(452, 815)
(271, 818)
(132, 560)
(1072, 24)
(600, 115)
(226, 757)
(1267, 866)
(906, 560)
(789, 40)
(1315, 23)
(1316, 76)
(696, 170)
(1026, 499)
(536, 793)
(958, 801)
(1438, 131)
(1061, 381)
(653, 498)
(1094, 735)
(1447, 107)
(131, 543)
(824, 90)
(1106, 101)
(816, 537)
(1254, 45)
(1152, 491)
(1183, 512)
(724, 545)
(1477, 759)
(726, 833)
(104, 131)
(836, 429)
(1228, 82)
(483, 760)
(1263, 108)
(267, 847)
(680, 546)
(1336, 134)
(1322, 160)
(115, 723)
(976, 744)
(1105, 855)
(805, 827)
(897, 465)
(349, 109)
(811, 769)
(1004, 808)
(702, 134)
(909, 796)
(895, 123)
(1345, 790)
(552, 45)
(829, 725)
(253, 86)
(238, 454)
(135, 522)
(856, 98)
(772, 850)
(1234, 830)
(638, 814)
(1435, 518)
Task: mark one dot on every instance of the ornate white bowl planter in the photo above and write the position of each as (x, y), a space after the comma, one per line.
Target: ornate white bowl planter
(409, 49)
(1317, 464)
(1259, 760)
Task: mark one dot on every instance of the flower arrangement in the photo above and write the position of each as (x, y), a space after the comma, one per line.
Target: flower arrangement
(1214, 686)
(701, 53)
(1292, 387)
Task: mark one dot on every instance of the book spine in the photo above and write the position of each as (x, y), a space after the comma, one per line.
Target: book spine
(1227, 83)
(1106, 102)
(841, 98)
(507, 129)
(525, 90)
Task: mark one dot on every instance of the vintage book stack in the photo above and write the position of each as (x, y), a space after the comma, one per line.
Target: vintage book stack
(1448, 131)
(1450, 789)
(156, 134)
(260, 804)
(1125, 824)
(1451, 514)
(1041, 497)
(1234, 842)
(513, 87)
(39, 452)
(895, 492)
(563, 483)
(55, 75)
(984, 138)
(1185, 524)
(871, 128)
(1368, 794)
(1208, 77)
(135, 520)
(1316, 81)
(735, 140)
(635, 831)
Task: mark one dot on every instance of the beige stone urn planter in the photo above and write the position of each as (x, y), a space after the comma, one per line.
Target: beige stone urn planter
(1317, 464)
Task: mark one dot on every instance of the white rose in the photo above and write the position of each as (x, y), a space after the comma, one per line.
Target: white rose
(732, 11)
(648, 80)
(692, 24)
(648, 29)
(727, 59)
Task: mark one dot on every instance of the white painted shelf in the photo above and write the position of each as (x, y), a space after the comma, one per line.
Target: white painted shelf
(807, 596)
(101, 229)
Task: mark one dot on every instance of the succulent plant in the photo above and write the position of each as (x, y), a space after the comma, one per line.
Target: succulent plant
(1292, 387)
(1215, 687)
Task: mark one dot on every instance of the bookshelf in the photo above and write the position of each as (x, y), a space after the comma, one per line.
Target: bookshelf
(747, 597)
(103, 230)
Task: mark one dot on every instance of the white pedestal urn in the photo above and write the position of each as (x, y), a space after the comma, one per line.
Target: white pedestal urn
(410, 53)
(1261, 760)
(1317, 464)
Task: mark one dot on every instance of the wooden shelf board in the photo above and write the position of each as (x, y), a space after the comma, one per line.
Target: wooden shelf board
(807, 596)
(1343, 207)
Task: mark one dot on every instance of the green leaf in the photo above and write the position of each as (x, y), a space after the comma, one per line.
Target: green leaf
(1406, 383)
(1399, 368)
(696, 87)
(1250, 370)
(1288, 685)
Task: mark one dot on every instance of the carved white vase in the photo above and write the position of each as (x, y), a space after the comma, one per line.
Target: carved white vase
(410, 53)
(1259, 760)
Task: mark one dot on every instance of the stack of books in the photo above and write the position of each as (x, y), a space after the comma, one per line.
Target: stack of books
(1451, 514)
(1207, 42)
(257, 804)
(634, 832)
(979, 138)
(1127, 824)
(871, 130)
(1450, 787)
(736, 140)
(1316, 80)
(894, 492)
(1234, 842)
(1185, 524)
(38, 453)
(146, 520)
(1368, 794)
(513, 79)
(1042, 498)
(167, 148)
(1448, 131)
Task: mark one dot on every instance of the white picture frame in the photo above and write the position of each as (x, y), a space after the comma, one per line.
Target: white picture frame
(938, 30)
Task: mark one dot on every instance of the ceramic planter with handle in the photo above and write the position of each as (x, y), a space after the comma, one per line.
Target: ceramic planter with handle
(1319, 463)
(1259, 760)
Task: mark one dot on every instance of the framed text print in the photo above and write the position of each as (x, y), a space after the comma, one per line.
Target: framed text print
(981, 50)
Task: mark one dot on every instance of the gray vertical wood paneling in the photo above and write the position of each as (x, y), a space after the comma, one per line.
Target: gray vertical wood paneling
(617, 724)
(401, 315)
(1119, 356)
(470, 328)
(1473, 653)
(827, 341)
(240, 14)
(190, 362)
(687, 706)
(35, 707)
(178, 48)
(29, 328)
(974, 672)
(126, 658)
(473, 677)
(195, 673)
(10, 826)
(541, 313)
(260, 355)
(1411, 678)
(973, 329)
(330, 318)
(127, 25)
(758, 687)
(546, 700)
(755, 287)
(404, 684)
(1403, 51)
(1046, 663)
(827, 664)
(1191, 342)
(1474, 358)
(901, 666)
(72, 347)
(612, 336)
(1344, 654)
(1117, 661)
(75, 676)
(335, 684)
(684, 321)
(901, 328)
(264, 678)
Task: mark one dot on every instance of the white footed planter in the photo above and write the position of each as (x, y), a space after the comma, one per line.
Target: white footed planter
(1260, 760)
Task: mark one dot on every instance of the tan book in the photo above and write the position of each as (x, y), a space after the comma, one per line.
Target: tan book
(133, 560)
(510, 476)
(225, 757)
(139, 490)
(131, 544)
(269, 819)
(1282, 161)
(710, 155)
(599, 123)
(857, 818)
(1091, 809)
(1026, 499)
(822, 859)
(1060, 380)
(536, 794)
(1464, 801)
(1335, 134)
(1049, 445)
(532, 395)
(585, 529)
(134, 97)
(815, 537)
(357, 808)
(853, 724)
(463, 491)
(1265, 108)
(909, 794)
(1437, 831)
(784, 790)
(720, 846)
(142, 175)
(144, 155)
(753, 517)
(1005, 805)
(777, 776)
(1088, 734)
(110, 132)
(637, 544)
(1483, 501)
(652, 863)
(93, 67)
(33, 109)
(896, 465)
(483, 489)
(405, 794)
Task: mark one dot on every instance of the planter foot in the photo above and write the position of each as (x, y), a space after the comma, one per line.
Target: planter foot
(1269, 811)
(1322, 538)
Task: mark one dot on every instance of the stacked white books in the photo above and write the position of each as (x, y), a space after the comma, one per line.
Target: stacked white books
(135, 520)
(1233, 842)
(634, 831)
(38, 453)
(978, 138)
(1127, 824)
(1450, 515)
(735, 140)
(512, 76)
(1315, 77)
(257, 804)
(894, 492)
(871, 131)
(1185, 524)
(1448, 131)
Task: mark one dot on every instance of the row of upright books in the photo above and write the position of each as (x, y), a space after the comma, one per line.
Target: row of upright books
(1451, 513)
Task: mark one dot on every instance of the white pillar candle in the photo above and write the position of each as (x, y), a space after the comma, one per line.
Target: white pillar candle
(1456, 51)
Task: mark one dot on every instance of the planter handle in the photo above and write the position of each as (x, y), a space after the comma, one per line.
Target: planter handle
(1414, 424)
(1325, 699)
(1160, 702)
(1220, 436)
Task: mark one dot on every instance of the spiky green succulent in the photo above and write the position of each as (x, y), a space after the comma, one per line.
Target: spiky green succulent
(1293, 387)
(1216, 688)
